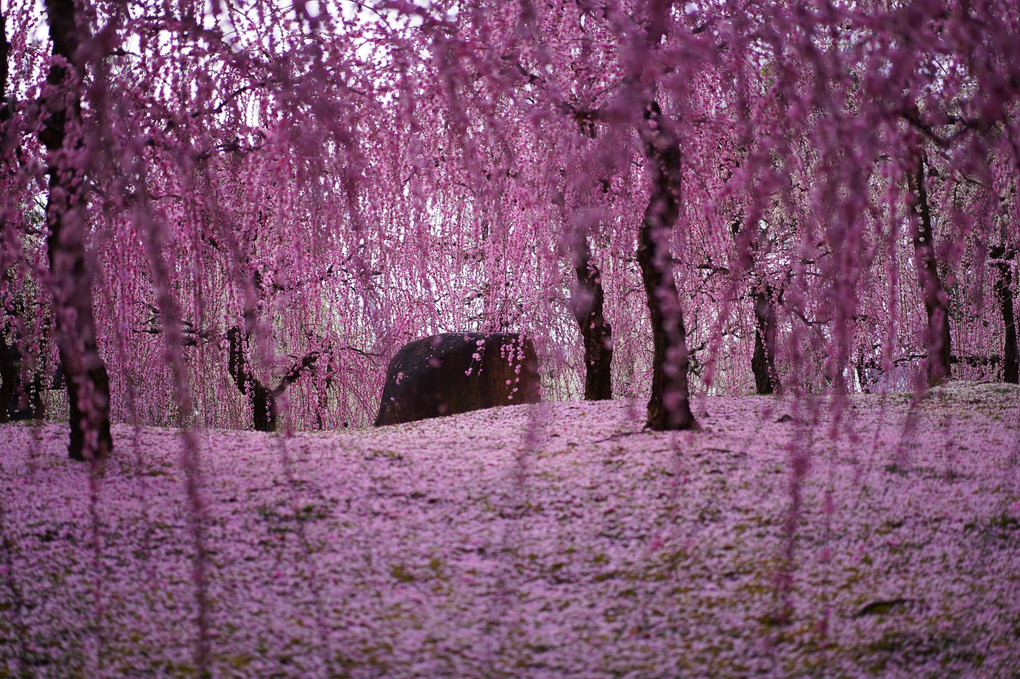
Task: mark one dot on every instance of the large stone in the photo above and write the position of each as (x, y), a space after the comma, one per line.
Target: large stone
(456, 373)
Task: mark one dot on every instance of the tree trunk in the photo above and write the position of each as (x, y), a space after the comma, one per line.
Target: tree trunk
(10, 373)
(88, 385)
(1004, 293)
(19, 400)
(5, 110)
(587, 305)
(669, 406)
(936, 301)
(763, 362)
(260, 398)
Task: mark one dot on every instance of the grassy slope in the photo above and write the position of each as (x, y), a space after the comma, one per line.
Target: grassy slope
(555, 541)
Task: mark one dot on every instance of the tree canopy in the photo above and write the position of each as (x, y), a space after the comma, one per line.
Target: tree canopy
(217, 212)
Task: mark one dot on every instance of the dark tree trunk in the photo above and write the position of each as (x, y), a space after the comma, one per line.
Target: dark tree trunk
(669, 406)
(763, 362)
(587, 306)
(8, 354)
(5, 109)
(936, 301)
(262, 399)
(1004, 293)
(10, 373)
(263, 404)
(88, 386)
(18, 400)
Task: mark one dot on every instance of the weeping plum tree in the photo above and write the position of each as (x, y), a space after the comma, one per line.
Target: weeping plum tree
(551, 161)
(669, 405)
(1001, 260)
(587, 304)
(21, 372)
(264, 401)
(88, 388)
(763, 361)
(936, 302)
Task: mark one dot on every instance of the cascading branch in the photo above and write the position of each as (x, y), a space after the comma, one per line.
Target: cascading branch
(842, 184)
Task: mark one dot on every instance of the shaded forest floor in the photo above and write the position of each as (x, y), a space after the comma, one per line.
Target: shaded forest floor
(550, 541)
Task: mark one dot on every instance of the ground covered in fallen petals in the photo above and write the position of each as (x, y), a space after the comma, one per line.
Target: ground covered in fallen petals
(785, 538)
